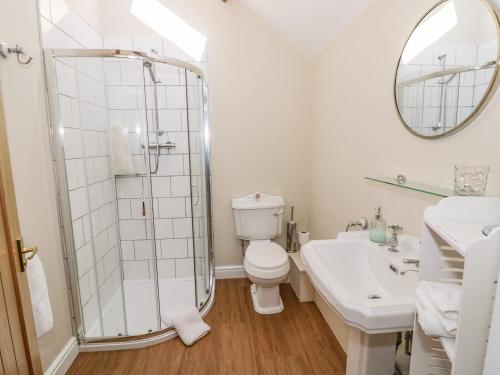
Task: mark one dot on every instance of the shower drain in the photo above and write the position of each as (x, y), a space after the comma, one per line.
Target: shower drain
(374, 296)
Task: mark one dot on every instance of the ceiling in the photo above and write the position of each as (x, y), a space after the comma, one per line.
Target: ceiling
(310, 25)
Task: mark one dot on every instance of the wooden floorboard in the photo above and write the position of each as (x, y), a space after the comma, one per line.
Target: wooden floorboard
(296, 341)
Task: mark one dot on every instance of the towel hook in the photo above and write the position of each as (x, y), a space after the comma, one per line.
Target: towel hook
(5, 52)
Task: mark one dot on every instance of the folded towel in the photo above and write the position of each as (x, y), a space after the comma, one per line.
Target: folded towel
(432, 322)
(187, 322)
(42, 311)
(429, 323)
(444, 296)
(120, 148)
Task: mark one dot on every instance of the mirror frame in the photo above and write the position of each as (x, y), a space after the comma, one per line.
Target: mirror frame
(489, 92)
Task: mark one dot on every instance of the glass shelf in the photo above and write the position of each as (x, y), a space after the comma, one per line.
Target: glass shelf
(415, 186)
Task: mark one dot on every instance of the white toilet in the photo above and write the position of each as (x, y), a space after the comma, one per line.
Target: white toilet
(259, 218)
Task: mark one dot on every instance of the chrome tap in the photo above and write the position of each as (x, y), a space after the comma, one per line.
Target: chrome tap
(397, 271)
(406, 271)
(393, 242)
(416, 262)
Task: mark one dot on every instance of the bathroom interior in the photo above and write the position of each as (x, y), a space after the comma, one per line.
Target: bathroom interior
(250, 187)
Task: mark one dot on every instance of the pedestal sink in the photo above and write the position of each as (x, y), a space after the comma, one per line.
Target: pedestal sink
(371, 289)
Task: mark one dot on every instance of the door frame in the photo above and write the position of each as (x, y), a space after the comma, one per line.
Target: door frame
(13, 281)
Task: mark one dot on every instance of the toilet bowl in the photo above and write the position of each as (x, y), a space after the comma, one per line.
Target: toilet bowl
(266, 265)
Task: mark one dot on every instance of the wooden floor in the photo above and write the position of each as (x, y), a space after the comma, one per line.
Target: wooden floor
(297, 341)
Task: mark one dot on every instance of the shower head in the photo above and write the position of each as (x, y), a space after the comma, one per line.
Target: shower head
(149, 66)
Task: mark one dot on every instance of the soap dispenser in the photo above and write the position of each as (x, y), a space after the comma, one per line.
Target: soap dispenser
(378, 227)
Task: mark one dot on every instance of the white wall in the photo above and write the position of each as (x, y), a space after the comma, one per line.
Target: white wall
(356, 131)
(259, 107)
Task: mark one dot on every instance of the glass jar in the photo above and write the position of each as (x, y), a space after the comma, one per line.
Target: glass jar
(471, 180)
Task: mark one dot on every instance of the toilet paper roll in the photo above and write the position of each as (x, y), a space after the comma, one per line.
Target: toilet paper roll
(304, 237)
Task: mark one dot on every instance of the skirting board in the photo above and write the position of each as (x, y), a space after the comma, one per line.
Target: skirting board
(64, 359)
(230, 272)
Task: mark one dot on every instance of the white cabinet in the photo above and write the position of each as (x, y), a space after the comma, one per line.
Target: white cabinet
(455, 250)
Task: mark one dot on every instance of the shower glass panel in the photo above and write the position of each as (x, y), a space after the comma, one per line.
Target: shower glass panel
(200, 183)
(131, 151)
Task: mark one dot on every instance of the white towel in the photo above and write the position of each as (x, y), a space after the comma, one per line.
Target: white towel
(444, 296)
(432, 322)
(187, 322)
(429, 323)
(120, 148)
(42, 311)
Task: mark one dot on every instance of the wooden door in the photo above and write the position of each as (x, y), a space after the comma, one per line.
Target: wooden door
(18, 343)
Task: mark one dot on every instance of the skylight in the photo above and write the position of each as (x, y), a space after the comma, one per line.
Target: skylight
(170, 26)
(430, 31)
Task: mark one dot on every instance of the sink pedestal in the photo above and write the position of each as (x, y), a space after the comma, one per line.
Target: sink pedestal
(369, 354)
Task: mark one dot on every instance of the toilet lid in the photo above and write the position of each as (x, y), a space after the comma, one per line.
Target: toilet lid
(266, 255)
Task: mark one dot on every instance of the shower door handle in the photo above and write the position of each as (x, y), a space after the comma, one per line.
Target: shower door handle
(157, 159)
(145, 153)
(197, 194)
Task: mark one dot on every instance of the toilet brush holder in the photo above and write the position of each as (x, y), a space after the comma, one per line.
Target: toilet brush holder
(291, 234)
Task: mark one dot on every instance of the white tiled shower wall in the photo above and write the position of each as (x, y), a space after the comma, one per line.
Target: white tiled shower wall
(83, 114)
(170, 186)
(421, 103)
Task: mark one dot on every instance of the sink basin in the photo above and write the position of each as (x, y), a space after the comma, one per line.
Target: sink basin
(370, 287)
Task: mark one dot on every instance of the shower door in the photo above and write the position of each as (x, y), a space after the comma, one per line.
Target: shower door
(127, 110)
(167, 121)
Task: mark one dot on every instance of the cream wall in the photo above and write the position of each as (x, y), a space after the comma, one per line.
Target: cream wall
(356, 131)
(22, 90)
(259, 108)
(261, 115)
(89, 10)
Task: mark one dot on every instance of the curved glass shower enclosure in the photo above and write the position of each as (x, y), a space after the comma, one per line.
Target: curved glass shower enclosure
(131, 149)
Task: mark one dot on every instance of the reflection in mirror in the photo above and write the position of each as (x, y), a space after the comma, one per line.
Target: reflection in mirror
(448, 67)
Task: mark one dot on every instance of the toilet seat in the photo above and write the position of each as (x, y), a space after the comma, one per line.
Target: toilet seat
(266, 260)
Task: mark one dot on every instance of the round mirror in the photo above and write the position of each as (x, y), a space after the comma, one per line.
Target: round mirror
(448, 68)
